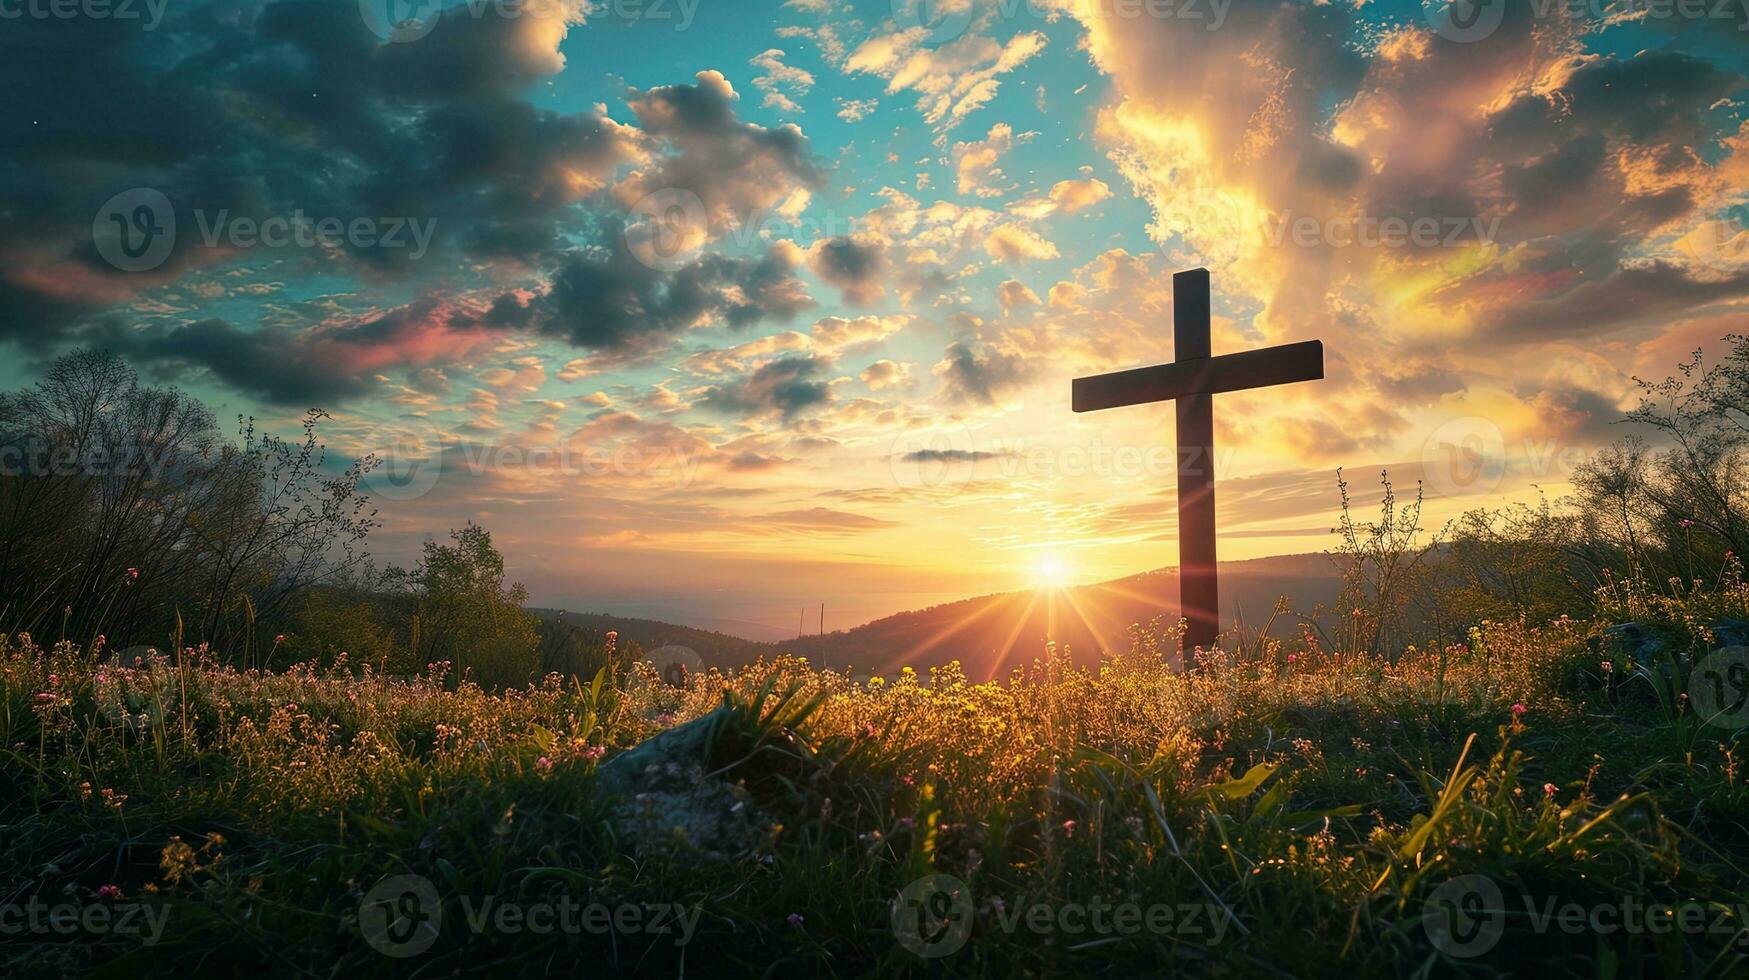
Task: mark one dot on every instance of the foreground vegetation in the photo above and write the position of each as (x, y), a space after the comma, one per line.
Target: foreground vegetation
(1296, 809)
(1461, 767)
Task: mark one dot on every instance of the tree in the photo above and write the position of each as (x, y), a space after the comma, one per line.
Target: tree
(459, 609)
(123, 511)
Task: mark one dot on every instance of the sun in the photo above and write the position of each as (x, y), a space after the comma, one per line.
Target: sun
(1051, 572)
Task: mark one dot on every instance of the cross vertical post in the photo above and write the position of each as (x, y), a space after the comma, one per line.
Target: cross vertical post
(1198, 587)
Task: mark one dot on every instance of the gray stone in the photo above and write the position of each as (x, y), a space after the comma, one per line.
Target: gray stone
(1634, 641)
(1730, 633)
(664, 800)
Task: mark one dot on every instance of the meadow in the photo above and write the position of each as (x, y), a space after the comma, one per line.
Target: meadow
(1533, 799)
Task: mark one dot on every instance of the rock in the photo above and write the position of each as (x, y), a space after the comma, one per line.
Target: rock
(663, 799)
(1643, 644)
(1633, 641)
(1730, 633)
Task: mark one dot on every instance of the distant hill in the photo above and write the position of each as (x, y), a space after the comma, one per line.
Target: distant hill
(718, 649)
(991, 634)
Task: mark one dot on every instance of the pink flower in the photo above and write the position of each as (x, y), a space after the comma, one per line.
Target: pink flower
(133, 573)
(109, 891)
(1549, 790)
(544, 764)
(1686, 523)
(1068, 828)
(1518, 710)
(594, 752)
(905, 823)
(1607, 666)
(277, 640)
(1293, 658)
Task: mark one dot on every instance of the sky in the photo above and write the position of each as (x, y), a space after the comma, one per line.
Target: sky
(712, 310)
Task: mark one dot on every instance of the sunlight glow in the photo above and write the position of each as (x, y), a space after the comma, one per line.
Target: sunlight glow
(1051, 572)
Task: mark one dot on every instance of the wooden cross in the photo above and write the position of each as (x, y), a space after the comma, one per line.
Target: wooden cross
(1192, 378)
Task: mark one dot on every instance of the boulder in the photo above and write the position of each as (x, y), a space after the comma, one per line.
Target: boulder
(1633, 641)
(1730, 633)
(663, 797)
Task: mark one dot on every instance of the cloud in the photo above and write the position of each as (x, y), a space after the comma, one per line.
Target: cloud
(885, 374)
(1014, 295)
(736, 170)
(1071, 196)
(780, 81)
(976, 162)
(855, 267)
(953, 80)
(784, 387)
(609, 299)
(1014, 243)
(822, 520)
(951, 456)
(980, 376)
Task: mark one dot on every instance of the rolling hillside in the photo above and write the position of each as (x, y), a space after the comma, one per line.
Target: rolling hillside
(990, 634)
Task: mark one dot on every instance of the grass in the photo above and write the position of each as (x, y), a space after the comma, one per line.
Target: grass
(1281, 811)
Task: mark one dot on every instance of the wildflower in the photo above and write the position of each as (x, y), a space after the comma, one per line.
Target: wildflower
(594, 752)
(1068, 828)
(1518, 710)
(795, 920)
(278, 639)
(664, 719)
(1607, 667)
(54, 679)
(1293, 658)
(98, 644)
(906, 822)
(1686, 523)
(544, 764)
(109, 891)
(133, 574)
(1549, 790)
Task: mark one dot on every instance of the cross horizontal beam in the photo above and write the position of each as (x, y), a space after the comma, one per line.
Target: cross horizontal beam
(1200, 375)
